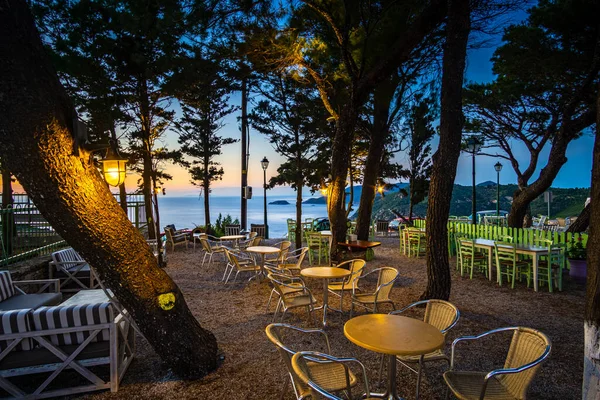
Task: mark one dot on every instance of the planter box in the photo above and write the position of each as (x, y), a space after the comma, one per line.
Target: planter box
(578, 269)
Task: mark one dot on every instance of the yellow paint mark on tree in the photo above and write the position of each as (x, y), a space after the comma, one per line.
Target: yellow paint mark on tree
(166, 301)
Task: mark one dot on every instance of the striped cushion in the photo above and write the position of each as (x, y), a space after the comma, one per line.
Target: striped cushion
(16, 321)
(68, 255)
(73, 316)
(6, 286)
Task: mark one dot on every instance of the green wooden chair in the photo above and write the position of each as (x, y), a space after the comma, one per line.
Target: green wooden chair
(416, 243)
(508, 264)
(317, 247)
(471, 259)
(550, 267)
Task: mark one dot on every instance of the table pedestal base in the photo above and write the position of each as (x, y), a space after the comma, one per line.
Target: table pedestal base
(391, 392)
(325, 305)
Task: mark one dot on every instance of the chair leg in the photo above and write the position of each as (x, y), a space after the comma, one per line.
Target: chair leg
(419, 375)
(276, 311)
(269, 302)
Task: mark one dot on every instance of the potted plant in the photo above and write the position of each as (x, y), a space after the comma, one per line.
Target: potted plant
(576, 253)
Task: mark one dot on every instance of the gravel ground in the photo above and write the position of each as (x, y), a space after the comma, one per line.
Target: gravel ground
(252, 369)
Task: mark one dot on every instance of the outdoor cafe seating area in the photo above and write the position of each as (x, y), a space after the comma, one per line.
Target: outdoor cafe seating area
(352, 327)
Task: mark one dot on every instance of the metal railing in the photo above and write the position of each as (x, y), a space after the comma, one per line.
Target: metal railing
(25, 233)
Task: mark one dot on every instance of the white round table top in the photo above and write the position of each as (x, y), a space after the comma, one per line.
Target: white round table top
(393, 334)
(326, 233)
(324, 272)
(263, 249)
(232, 237)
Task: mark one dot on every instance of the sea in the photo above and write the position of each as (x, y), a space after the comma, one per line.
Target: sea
(187, 212)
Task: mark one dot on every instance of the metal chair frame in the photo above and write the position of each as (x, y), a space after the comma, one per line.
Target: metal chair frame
(380, 287)
(425, 358)
(503, 371)
(321, 358)
(287, 354)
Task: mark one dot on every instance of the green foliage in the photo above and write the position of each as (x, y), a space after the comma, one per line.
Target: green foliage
(420, 127)
(203, 92)
(295, 122)
(221, 222)
(571, 200)
(576, 250)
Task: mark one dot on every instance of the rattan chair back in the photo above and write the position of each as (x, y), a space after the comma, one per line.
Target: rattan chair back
(527, 346)
(385, 282)
(441, 314)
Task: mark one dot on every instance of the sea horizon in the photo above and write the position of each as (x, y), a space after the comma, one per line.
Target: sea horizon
(188, 211)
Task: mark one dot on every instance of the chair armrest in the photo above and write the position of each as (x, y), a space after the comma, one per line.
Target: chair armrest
(52, 284)
(314, 330)
(400, 311)
(507, 371)
(484, 334)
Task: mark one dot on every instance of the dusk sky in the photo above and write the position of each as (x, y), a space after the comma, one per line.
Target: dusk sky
(576, 173)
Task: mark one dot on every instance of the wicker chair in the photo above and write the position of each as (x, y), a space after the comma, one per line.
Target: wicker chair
(240, 263)
(244, 244)
(528, 349)
(439, 313)
(356, 268)
(293, 260)
(385, 281)
(210, 250)
(284, 247)
(335, 374)
(293, 293)
(308, 366)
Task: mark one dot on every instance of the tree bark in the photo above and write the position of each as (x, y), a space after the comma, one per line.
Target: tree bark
(583, 220)
(37, 145)
(445, 158)
(340, 162)
(382, 99)
(147, 172)
(206, 187)
(591, 363)
(524, 196)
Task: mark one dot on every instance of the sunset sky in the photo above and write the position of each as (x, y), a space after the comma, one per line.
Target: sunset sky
(576, 173)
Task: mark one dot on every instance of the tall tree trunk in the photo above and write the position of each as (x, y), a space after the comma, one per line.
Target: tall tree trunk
(591, 361)
(340, 162)
(37, 145)
(147, 163)
(410, 209)
(523, 197)
(382, 99)
(298, 243)
(206, 204)
(583, 220)
(445, 158)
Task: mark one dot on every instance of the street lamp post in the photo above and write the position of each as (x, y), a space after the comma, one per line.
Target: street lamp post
(498, 168)
(265, 165)
(473, 147)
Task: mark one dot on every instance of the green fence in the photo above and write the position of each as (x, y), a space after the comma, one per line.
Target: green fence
(25, 233)
(520, 235)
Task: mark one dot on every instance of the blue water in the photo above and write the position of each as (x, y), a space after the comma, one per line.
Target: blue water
(186, 212)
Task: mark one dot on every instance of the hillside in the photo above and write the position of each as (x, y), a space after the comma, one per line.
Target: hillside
(565, 202)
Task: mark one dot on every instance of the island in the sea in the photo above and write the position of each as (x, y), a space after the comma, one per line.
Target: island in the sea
(316, 200)
(280, 203)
